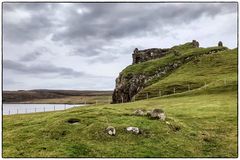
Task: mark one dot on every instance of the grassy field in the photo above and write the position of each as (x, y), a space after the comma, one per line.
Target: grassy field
(207, 122)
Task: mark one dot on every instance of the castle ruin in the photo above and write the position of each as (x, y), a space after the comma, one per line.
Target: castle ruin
(140, 56)
(148, 54)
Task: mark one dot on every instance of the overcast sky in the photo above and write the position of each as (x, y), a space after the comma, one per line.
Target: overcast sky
(84, 46)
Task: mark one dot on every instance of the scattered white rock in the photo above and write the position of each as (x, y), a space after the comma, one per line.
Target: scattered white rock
(111, 130)
(133, 129)
(139, 112)
(167, 122)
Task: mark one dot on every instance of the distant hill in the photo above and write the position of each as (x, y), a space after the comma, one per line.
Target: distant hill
(27, 95)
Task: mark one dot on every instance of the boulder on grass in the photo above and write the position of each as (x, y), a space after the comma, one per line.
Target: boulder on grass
(111, 130)
(158, 114)
(139, 112)
(134, 130)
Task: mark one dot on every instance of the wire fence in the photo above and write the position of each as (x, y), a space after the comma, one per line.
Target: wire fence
(9, 109)
(19, 108)
(174, 89)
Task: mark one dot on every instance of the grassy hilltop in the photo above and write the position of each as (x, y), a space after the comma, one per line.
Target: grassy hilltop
(203, 119)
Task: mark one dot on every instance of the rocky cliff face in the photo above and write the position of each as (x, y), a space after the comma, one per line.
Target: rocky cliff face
(128, 86)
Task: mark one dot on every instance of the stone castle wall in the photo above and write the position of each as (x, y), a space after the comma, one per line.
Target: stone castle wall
(153, 53)
(148, 54)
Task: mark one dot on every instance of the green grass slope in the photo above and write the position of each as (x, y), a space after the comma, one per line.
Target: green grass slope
(214, 69)
(203, 121)
(183, 51)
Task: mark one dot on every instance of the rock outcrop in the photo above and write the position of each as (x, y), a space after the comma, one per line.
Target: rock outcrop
(134, 130)
(158, 114)
(111, 130)
(139, 112)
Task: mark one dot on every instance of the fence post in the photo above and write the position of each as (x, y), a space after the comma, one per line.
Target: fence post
(160, 94)
(189, 87)
(43, 109)
(122, 98)
(54, 108)
(225, 82)
(205, 85)
(64, 106)
(9, 112)
(174, 90)
(147, 95)
(133, 99)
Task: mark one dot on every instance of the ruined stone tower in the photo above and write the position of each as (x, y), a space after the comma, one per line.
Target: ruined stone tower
(195, 43)
(220, 44)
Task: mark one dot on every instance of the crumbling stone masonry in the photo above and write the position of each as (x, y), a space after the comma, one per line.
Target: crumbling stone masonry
(147, 54)
(220, 44)
(153, 53)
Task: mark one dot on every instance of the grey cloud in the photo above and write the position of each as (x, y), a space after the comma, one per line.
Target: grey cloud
(88, 49)
(34, 29)
(41, 69)
(38, 25)
(35, 54)
(103, 59)
(27, 6)
(101, 23)
(31, 56)
(85, 52)
(110, 21)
